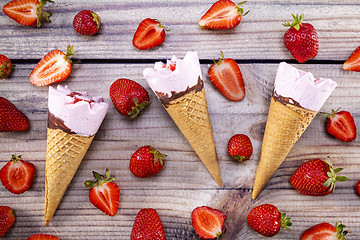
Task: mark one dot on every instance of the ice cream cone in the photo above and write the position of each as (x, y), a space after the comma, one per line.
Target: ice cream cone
(190, 114)
(64, 154)
(285, 124)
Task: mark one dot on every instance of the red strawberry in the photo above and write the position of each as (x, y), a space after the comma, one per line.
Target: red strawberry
(150, 33)
(146, 162)
(104, 193)
(341, 125)
(240, 147)
(353, 62)
(7, 219)
(129, 97)
(27, 12)
(207, 222)
(11, 118)
(53, 67)
(17, 175)
(227, 78)
(223, 14)
(42, 237)
(267, 220)
(358, 188)
(86, 22)
(316, 178)
(147, 226)
(325, 231)
(301, 39)
(5, 66)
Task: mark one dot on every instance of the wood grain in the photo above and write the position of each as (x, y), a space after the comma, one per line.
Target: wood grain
(259, 36)
(184, 183)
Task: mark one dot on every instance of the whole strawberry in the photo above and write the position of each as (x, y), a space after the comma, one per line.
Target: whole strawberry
(316, 177)
(5, 66)
(104, 193)
(17, 175)
(358, 187)
(324, 231)
(7, 219)
(11, 118)
(86, 22)
(301, 39)
(267, 220)
(129, 97)
(208, 222)
(340, 125)
(240, 147)
(146, 162)
(147, 226)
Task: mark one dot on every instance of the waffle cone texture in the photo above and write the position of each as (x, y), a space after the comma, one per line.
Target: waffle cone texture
(285, 124)
(63, 156)
(190, 114)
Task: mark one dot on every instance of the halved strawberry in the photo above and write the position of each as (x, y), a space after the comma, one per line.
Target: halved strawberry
(27, 12)
(341, 125)
(53, 67)
(5, 66)
(223, 14)
(207, 222)
(325, 231)
(104, 193)
(353, 62)
(42, 237)
(227, 78)
(17, 175)
(150, 33)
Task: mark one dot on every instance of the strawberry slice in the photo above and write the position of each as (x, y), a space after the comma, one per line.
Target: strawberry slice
(42, 237)
(207, 222)
(325, 231)
(227, 78)
(150, 33)
(353, 62)
(341, 125)
(27, 12)
(104, 194)
(223, 14)
(17, 175)
(53, 67)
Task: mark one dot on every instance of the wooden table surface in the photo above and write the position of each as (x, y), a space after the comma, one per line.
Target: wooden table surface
(184, 183)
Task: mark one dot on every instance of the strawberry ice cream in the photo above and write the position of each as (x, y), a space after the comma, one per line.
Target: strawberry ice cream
(75, 112)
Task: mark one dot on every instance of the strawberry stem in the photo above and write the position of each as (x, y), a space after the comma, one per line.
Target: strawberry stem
(135, 110)
(157, 155)
(100, 179)
(332, 176)
(240, 10)
(15, 158)
(97, 19)
(219, 59)
(285, 222)
(340, 231)
(297, 21)
(329, 115)
(42, 15)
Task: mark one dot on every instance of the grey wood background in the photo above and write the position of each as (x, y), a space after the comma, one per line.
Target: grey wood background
(184, 183)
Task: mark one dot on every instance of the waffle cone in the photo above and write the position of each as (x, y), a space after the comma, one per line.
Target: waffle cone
(285, 124)
(63, 156)
(190, 114)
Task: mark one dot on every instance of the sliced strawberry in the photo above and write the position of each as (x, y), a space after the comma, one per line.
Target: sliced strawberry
(207, 222)
(104, 193)
(353, 62)
(53, 67)
(150, 33)
(17, 175)
(27, 12)
(223, 14)
(341, 125)
(324, 231)
(227, 78)
(42, 237)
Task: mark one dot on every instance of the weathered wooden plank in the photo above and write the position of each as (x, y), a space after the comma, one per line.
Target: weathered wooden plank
(184, 182)
(259, 36)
